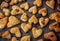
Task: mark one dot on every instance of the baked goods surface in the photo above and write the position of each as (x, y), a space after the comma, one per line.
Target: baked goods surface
(30, 20)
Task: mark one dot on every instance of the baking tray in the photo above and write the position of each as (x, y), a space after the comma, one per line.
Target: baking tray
(46, 29)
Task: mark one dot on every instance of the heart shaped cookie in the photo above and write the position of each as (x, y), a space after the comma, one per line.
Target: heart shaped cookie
(38, 3)
(50, 3)
(43, 11)
(33, 10)
(55, 27)
(50, 36)
(12, 2)
(43, 21)
(6, 34)
(6, 11)
(1, 15)
(25, 38)
(24, 17)
(33, 19)
(16, 10)
(24, 6)
(14, 39)
(26, 27)
(3, 22)
(36, 32)
(12, 21)
(16, 31)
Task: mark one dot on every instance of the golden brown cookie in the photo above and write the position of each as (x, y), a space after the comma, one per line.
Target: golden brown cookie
(50, 3)
(1, 15)
(14, 2)
(24, 17)
(43, 21)
(16, 31)
(6, 11)
(33, 19)
(43, 11)
(4, 5)
(38, 3)
(33, 10)
(6, 34)
(16, 10)
(57, 17)
(26, 27)
(54, 26)
(3, 22)
(12, 21)
(14, 39)
(26, 38)
(51, 36)
(52, 16)
(25, 6)
(36, 32)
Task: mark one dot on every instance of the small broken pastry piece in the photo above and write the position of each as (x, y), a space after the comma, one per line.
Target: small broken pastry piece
(40, 40)
(33, 19)
(33, 10)
(1, 15)
(3, 22)
(4, 5)
(51, 36)
(58, 7)
(12, 21)
(36, 32)
(26, 38)
(26, 27)
(6, 34)
(14, 39)
(58, 1)
(24, 17)
(50, 3)
(25, 6)
(14, 2)
(43, 11)
(16, 10)
(16, 31)
(6, 11)
(54, 26)
(43, 21)
(38, 3)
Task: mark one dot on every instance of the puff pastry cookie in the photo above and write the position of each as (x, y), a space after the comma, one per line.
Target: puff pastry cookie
(12, 21)
(33, 19)
(36, 32)
(50, 3)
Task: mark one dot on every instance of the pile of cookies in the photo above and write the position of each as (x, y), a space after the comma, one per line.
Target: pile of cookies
(9, 20)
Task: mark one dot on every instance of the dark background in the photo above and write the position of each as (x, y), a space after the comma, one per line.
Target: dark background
(45, 30)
